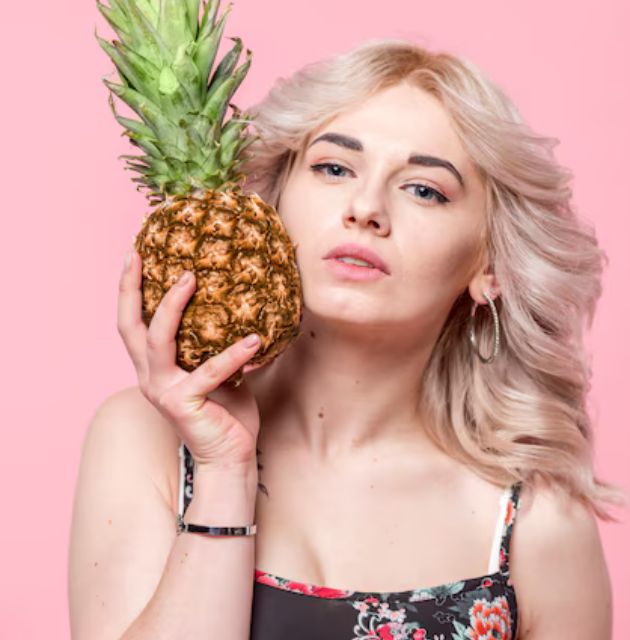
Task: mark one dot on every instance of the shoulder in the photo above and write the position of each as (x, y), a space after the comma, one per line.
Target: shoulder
(129, 398)
(129, 415)
(558, 568)
(141, 436)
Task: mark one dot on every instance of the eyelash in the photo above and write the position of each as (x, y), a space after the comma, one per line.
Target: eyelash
(320, 167)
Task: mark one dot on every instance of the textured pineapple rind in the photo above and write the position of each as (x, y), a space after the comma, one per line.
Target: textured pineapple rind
(246, 273)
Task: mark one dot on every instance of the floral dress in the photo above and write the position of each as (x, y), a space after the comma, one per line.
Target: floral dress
(478, 608)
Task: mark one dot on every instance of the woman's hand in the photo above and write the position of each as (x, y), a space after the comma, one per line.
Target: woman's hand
(219, 431)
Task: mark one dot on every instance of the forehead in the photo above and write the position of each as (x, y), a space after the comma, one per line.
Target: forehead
(399, 120)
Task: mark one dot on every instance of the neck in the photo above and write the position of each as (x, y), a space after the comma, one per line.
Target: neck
(340, 390)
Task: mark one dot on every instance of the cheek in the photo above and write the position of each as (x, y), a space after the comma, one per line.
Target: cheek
(304, 216)
(442, 259)
(293, 205)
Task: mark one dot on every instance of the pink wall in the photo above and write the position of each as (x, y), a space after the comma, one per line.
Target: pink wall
(71, 211)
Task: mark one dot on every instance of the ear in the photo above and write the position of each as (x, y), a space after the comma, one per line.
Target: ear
(484, 281)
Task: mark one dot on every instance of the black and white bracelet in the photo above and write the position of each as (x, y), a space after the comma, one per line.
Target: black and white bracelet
(186, 527)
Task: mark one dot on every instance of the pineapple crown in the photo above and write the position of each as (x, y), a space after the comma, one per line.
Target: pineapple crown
(164, 57)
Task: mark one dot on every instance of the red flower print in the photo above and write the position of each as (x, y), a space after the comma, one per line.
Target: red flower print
(490, 620)
(509, 513)
(385, 632)
(486, 583)
(419, 634)
(299, 587)
(266, 578)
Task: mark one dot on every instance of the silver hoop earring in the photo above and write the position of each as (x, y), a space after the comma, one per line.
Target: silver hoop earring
(497, 329)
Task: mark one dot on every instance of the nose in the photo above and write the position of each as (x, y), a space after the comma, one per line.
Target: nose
(367, 211)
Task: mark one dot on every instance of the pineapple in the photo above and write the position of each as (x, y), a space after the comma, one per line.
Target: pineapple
(243, 260)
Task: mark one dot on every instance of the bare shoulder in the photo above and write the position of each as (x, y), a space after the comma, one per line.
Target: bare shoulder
(145, 438)
(559, 569)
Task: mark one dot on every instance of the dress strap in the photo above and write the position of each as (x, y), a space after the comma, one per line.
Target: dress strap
(186, 471)
(508, 504)
(508, 527)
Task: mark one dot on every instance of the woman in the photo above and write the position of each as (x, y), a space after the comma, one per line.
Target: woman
(417, 481)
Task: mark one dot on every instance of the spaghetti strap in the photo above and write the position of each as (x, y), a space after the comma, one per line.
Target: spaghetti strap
(186, 470)
(493, 560)
(508, 527)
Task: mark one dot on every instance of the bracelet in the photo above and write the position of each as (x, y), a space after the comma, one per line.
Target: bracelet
(186, 527)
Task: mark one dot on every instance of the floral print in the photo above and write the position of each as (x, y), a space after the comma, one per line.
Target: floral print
(488, 620)
(478, 608)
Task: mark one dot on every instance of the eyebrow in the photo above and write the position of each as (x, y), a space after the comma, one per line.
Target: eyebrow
(415, 158)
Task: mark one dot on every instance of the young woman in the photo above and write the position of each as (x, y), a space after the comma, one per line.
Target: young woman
(420, 474)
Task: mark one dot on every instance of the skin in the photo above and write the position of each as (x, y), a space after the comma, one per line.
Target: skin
(343, 398)
(366, 344)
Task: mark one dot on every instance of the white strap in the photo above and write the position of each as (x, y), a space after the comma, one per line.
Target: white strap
(493, 564)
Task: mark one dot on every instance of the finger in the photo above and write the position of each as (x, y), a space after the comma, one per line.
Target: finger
(215, 370)
(161, 344)
(252, 367)
(129, 314)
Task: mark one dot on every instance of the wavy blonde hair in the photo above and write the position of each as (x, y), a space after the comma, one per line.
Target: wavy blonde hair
(524, 416)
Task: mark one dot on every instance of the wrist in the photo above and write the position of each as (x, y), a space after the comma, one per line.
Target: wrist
(222, 498)
(231, 474)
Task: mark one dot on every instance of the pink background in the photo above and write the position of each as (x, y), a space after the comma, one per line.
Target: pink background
(70, 211)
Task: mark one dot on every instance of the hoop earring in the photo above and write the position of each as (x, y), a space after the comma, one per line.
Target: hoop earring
(497, 329)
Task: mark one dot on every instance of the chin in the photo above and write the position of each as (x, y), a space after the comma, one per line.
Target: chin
(341, 311)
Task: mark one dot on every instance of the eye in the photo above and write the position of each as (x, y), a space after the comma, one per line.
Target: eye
(322, 168)
(426, 190)
(336, 171)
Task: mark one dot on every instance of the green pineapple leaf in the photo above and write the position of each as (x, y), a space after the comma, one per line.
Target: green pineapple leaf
(173, 25)
(164, 56)
(226, 66)
(206, 51)
(192, 15)
(115, 19)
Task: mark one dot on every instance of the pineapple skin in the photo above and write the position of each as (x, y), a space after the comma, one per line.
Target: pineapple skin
(247, 280)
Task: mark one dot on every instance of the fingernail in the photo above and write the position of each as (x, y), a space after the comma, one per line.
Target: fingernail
(184, 278)
(251, 340)
(128, 258)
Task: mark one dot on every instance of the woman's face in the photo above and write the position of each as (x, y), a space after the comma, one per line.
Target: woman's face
(422, 222)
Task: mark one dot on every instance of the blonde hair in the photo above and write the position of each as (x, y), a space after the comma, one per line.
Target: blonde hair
(524, 416)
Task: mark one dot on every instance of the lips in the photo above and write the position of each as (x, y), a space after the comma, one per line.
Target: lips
(357, 251)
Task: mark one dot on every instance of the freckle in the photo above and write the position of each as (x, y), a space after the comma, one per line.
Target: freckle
(312, 334)
(109, 521)
(96, 564)
(320, 414)
(102, 604)
(371, 486)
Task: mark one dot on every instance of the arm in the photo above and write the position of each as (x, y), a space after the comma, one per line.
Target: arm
(559, 571)
(130, 575)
